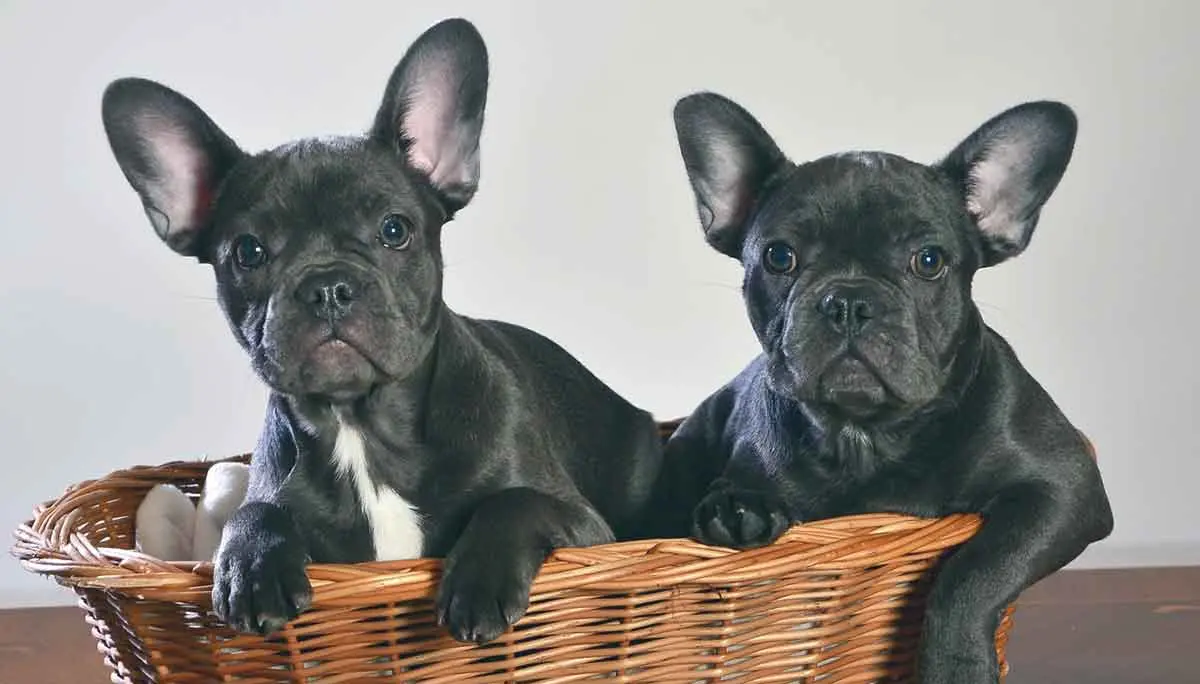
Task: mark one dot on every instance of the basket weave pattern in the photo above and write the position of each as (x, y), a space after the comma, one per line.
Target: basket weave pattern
(832, 601)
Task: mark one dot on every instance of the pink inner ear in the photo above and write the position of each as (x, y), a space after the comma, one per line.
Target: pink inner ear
(725, 190)
(724, 199)
(996, 191)
(182, 191)
(429, 123)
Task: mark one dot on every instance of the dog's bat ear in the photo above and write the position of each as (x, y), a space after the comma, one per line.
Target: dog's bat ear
(729, 159)
(1008, 168)
(172, 154)
(432, 110)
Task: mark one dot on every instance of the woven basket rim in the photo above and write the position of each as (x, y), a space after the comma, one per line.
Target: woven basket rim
(50, 544)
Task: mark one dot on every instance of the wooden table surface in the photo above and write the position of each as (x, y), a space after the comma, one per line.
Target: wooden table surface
(1096, 626)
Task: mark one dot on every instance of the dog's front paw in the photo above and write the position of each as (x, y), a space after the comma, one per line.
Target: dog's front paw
(739, 518)
(483, 594)
(256, 590)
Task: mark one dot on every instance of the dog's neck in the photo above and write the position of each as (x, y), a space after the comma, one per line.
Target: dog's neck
(860, 448)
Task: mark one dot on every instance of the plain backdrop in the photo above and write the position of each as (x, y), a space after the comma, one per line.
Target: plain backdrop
(113, 351)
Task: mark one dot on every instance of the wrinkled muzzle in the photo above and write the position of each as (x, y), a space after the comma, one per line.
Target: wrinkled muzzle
(338, 329)
(853, 344)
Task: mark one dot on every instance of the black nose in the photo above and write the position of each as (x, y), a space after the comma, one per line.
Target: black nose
(330, 294)
(847, 308)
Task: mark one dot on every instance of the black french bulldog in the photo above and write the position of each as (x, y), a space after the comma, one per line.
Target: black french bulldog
(395, 427)
(880, 388)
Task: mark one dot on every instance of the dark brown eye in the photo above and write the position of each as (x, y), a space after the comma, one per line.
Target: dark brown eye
(779, 259)
(928, 263)
(248, 252)
(395, 232)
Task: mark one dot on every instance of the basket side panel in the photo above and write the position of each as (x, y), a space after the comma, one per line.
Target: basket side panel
(176, 640)
(116, 638)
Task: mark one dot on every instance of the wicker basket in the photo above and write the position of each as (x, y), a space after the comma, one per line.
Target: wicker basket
(832, 601)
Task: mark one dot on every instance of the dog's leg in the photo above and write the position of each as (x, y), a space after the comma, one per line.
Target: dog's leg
(259, 581)
(1030, 531)
(691, 460)
(489, 571)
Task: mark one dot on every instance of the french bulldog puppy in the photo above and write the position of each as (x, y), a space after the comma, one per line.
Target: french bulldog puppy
(880, 388)
(395, 428)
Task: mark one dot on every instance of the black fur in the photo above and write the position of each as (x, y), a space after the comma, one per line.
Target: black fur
(503, 442)
(880, 388)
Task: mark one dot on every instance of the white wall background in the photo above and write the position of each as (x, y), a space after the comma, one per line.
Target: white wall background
(113, 352)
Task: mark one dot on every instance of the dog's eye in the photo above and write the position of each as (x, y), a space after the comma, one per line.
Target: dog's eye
(248, 252)
(779, 258)
(928, 263)
(395, 232)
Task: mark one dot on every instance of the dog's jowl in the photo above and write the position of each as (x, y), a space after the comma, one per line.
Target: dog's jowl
(395, 427)
(880, 388)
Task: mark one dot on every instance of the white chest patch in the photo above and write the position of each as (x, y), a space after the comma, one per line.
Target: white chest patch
(395, 524)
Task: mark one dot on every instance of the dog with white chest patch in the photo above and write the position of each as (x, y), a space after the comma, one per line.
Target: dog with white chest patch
(395, 427)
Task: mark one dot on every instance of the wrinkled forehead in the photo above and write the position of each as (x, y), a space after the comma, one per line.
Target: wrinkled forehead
(322, 182)
(864, 197)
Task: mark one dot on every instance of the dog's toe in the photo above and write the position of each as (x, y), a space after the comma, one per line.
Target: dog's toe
(752, 526)
(709, 528)
(779, 523)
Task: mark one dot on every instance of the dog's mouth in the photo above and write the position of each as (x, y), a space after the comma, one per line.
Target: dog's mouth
(337, 368)
(334, 350)
(339, 347)
(849, 385)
